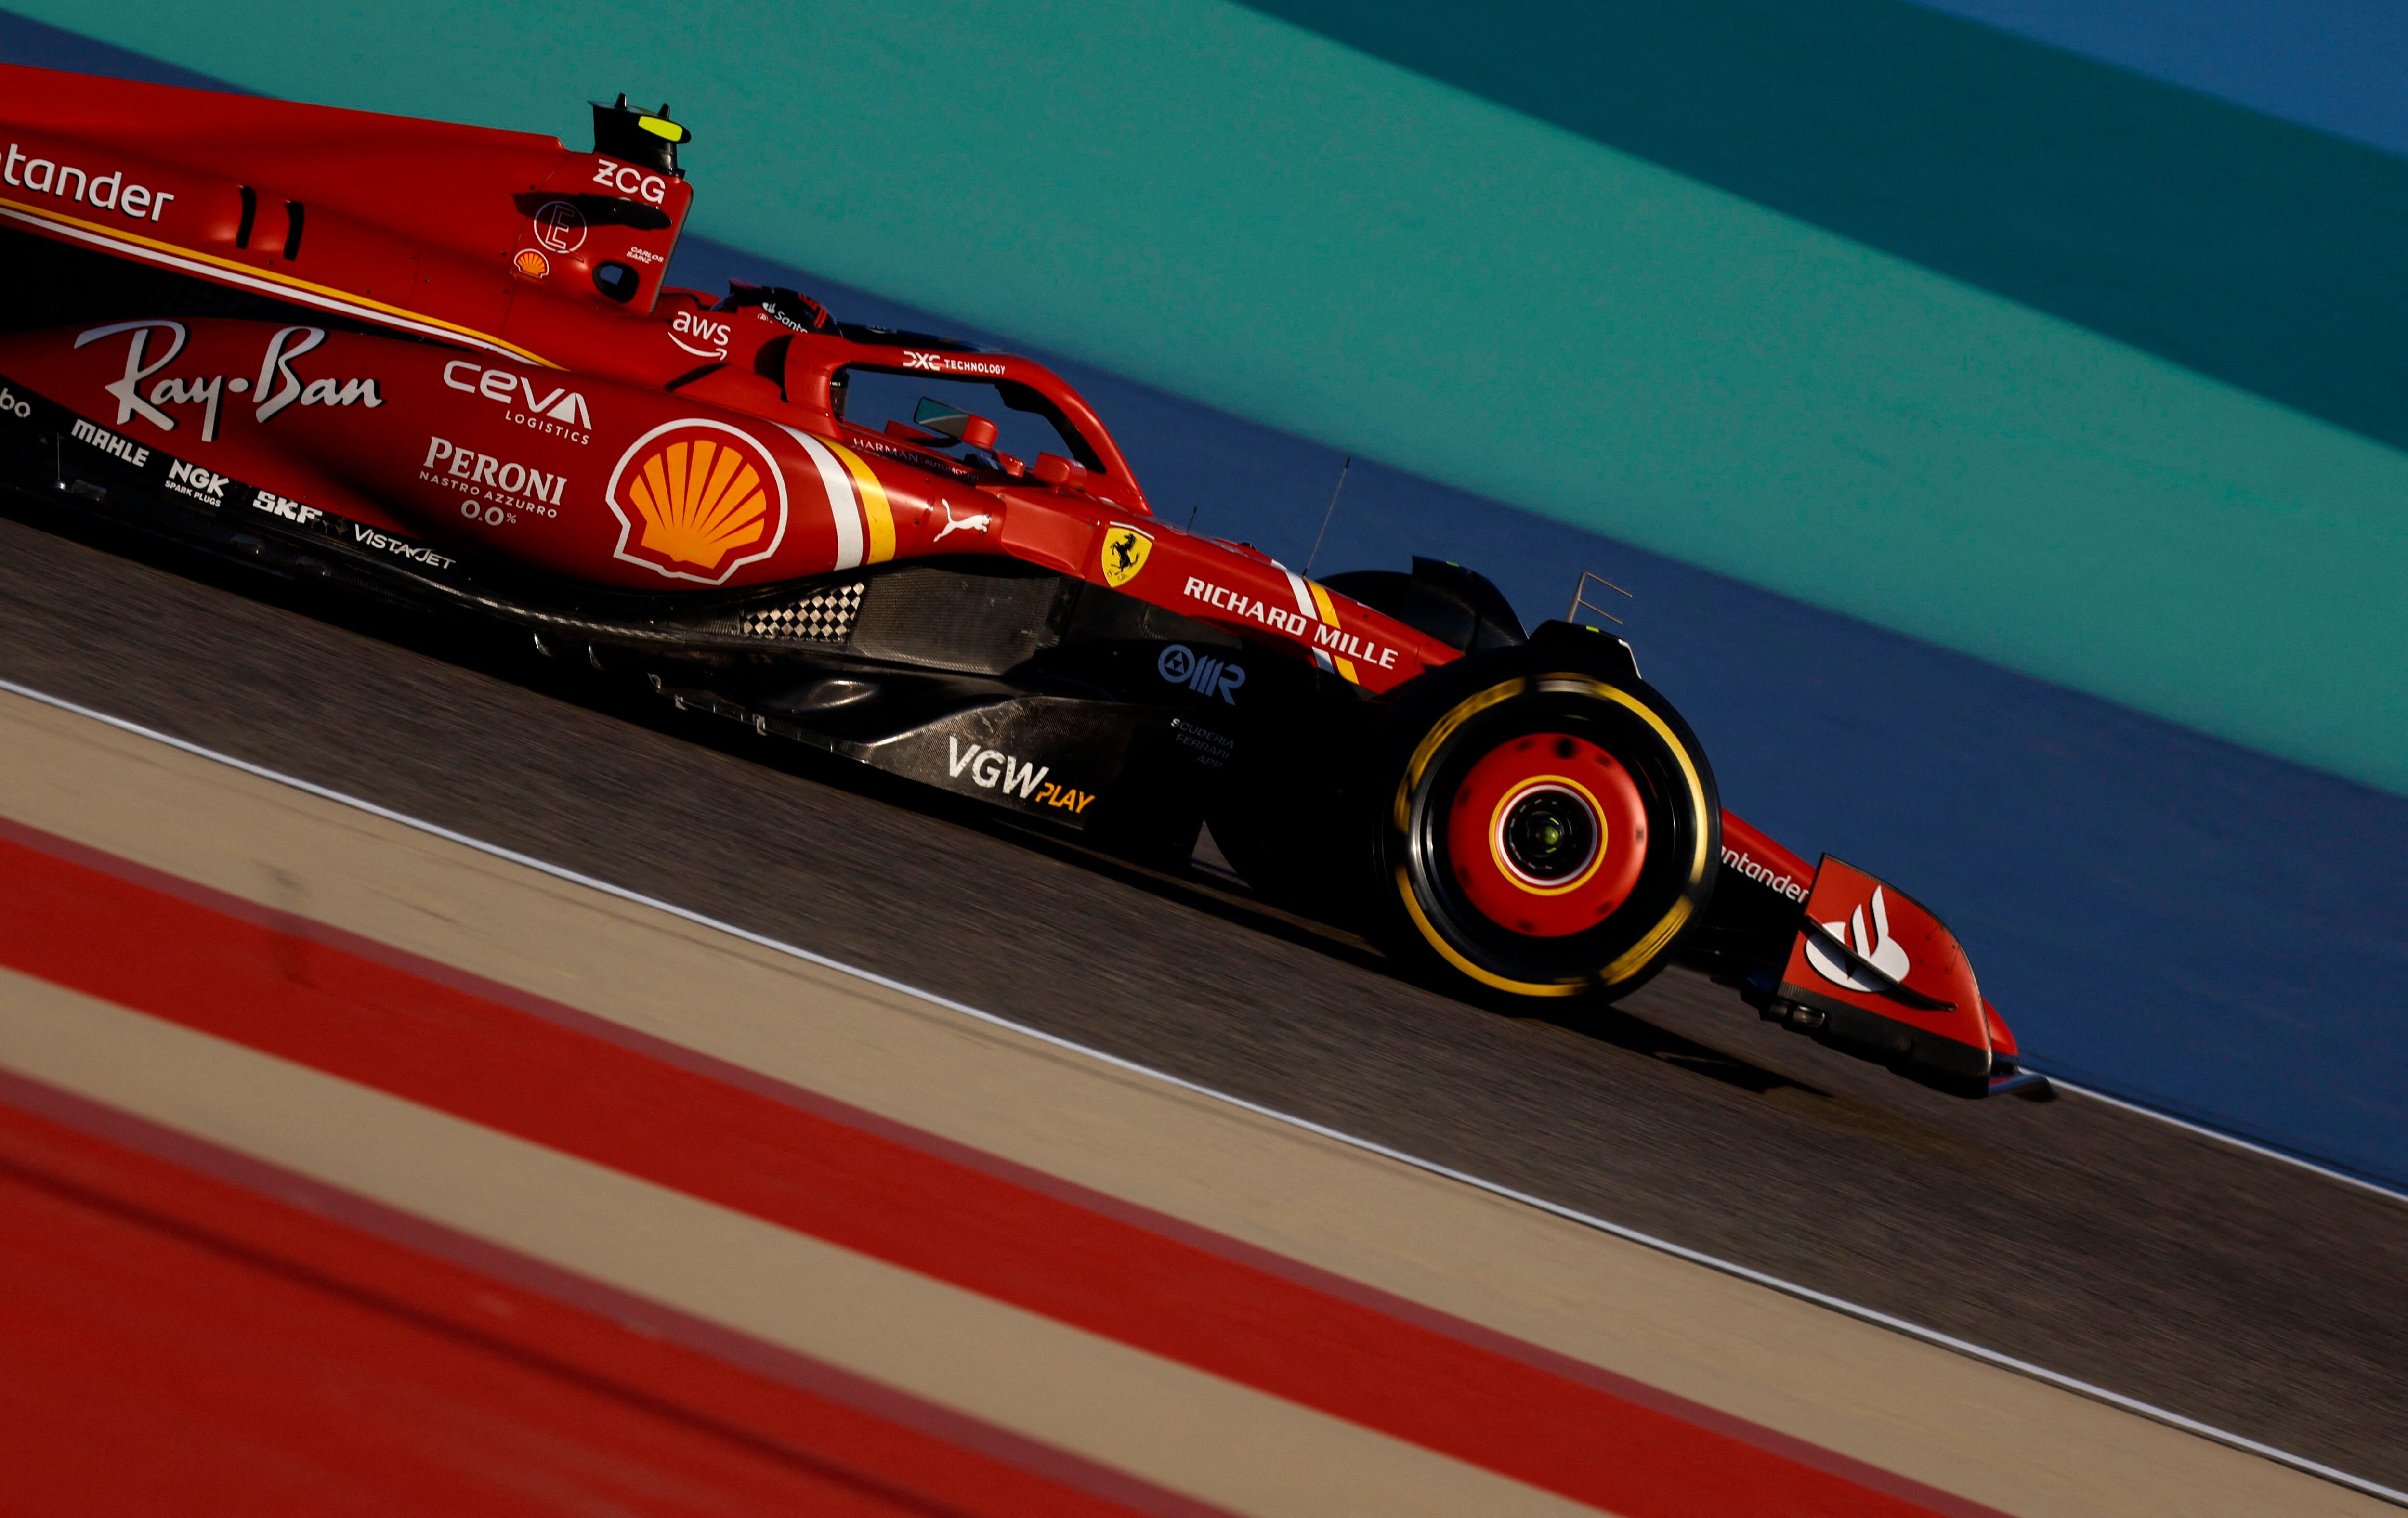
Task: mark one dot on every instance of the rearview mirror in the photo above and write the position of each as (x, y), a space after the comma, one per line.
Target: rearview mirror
(949, 421)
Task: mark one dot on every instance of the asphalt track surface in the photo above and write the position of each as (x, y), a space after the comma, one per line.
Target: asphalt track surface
(2158, 1263)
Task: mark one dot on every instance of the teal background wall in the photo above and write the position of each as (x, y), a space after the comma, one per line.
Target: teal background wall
(1839, 299)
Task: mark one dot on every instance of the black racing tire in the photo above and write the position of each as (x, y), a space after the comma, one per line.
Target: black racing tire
(1489, 782)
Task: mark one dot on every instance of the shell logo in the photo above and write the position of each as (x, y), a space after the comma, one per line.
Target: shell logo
(697, 500)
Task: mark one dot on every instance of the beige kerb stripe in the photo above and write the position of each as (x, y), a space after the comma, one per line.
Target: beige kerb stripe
(1848, 1386)
(1174, 1426)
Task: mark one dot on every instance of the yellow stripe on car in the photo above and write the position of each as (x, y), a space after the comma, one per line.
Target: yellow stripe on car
(211, 266)
(1322, 604)
(876, 513)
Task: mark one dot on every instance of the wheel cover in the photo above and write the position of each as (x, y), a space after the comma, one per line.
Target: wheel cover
(1690, 860)
(1546, 835)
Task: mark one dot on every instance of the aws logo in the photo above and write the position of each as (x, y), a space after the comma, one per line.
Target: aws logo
(700, 336)
(697, 500)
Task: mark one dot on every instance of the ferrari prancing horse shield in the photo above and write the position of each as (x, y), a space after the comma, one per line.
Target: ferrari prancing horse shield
(1124, 551)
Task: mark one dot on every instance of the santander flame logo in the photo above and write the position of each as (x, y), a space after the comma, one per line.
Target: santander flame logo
(1880, 951)
(697, 500)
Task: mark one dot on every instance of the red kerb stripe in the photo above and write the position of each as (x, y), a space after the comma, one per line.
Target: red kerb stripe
(308, 994)
(196, 1332)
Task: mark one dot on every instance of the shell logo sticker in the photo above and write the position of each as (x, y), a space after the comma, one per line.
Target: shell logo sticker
(697, 500)
(1125, 554)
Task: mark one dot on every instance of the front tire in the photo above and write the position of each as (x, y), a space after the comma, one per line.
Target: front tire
(1547, 827)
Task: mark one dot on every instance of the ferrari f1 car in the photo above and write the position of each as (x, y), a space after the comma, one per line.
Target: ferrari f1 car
(440, 365)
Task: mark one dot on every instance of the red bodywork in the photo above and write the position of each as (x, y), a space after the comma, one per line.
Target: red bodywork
(1872, 969)
(545, 381)
(618, 431)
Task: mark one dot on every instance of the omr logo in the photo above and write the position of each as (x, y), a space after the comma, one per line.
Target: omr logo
(1884, 953)
(1200, 672)
(697, 500)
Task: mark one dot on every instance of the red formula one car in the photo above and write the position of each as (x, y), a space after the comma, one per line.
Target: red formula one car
(439, 365)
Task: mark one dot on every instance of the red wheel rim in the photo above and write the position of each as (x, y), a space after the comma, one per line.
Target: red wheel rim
(1546, 835)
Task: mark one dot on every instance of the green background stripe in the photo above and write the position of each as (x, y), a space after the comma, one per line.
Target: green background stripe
(1251, 214)
(2254, 250)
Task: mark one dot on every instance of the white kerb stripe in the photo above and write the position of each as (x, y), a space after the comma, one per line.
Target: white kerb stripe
(1162, 1420)
(1369, 1146)
(842, 509)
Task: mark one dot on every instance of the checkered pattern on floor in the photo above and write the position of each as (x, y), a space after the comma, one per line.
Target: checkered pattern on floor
(821, 617)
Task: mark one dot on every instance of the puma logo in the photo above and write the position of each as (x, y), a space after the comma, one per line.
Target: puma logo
(978, 524)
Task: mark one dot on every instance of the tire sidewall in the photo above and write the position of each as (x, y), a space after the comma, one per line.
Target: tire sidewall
(1468, 708)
